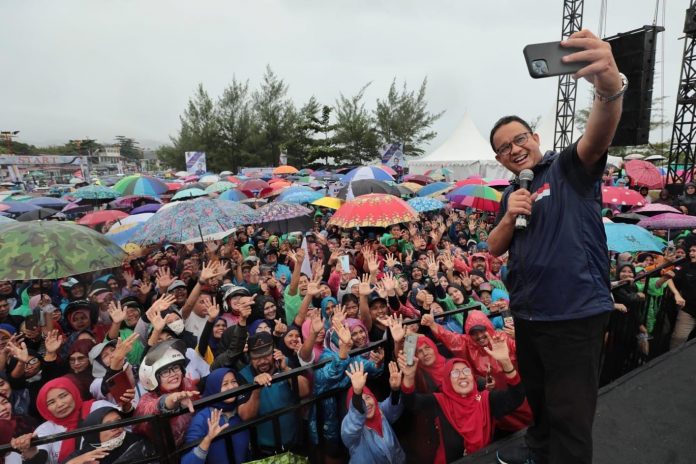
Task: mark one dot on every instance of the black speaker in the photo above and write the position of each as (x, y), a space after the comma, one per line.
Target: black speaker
(690, 22)
(634, 53)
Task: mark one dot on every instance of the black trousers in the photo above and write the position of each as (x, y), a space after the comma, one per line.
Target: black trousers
(559, 366)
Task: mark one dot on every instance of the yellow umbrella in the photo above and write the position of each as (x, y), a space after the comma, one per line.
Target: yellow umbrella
(412, 186)
(284, 170)
(329, 202)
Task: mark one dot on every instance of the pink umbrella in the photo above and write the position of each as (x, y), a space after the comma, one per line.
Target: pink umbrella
(654, 208)
(669, 221)
(470, 181)
(387, 169)
(621, 196)
(192, 178)
(4, 207)
(644, 173)
(499, 183)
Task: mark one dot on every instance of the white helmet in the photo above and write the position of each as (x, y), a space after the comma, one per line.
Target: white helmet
(233, 290)
(162, 355)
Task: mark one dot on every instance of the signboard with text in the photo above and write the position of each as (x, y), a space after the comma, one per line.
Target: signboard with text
(195, 162)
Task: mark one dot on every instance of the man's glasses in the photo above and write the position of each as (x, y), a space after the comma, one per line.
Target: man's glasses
(519, 140)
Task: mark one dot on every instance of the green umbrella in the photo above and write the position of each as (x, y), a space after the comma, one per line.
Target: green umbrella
(220, 186)
(95, 192)
(52, 250)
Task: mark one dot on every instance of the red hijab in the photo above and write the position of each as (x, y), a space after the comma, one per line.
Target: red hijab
(434, 371)
(470, 415)
(82, 409)
(376, 422)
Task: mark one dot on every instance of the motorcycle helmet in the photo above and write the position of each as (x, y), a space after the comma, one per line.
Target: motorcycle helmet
(162, 355)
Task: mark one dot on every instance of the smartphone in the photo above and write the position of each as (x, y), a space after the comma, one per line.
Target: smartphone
(119, 383)
(345, 263)
(544, 60)
(507, 317)
(410, 348)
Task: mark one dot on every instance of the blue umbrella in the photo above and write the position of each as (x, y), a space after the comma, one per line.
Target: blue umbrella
(148, 208)
(232, 195)
(367, 172)
(188, 193)
(302, 197)
(292, 190)
(48, 202)
(95, 192)
(434, 188)
(422, 205)
(19, 207)
(630, 238)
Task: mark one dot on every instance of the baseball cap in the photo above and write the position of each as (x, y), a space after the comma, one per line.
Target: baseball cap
(260, 345)
(176, 284)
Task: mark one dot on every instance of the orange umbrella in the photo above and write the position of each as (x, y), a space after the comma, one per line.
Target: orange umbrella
(99, 217)
(284, 170)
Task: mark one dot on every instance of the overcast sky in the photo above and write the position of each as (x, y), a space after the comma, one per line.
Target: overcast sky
(97, 68)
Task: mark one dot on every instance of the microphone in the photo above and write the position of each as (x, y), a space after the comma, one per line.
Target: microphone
(526, 177)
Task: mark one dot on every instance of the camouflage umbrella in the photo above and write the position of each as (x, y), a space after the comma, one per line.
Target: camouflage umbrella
(52, 250)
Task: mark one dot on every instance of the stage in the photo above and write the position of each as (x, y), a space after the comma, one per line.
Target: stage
(647, 416)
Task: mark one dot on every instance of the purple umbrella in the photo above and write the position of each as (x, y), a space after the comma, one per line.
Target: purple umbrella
(149, 208)
(669, 221)
(654, 208)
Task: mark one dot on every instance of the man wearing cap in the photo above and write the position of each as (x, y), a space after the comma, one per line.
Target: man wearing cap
(179, 290)
(265, 359)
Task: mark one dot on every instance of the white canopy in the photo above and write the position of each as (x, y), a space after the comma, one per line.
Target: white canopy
(465, 153)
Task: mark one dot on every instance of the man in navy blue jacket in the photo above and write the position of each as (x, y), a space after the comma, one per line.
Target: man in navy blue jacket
(558, 274)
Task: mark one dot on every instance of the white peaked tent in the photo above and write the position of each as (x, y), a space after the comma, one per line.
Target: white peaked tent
(465, 153)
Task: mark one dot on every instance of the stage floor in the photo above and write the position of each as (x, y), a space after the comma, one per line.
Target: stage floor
(648, 416)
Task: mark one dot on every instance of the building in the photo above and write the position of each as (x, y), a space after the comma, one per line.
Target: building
(107, 160)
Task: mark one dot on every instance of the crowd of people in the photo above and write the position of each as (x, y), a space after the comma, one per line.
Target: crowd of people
(181, 322)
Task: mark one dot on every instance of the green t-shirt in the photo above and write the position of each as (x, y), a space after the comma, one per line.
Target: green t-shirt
(292, 304)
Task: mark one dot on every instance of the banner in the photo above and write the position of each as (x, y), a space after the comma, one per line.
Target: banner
(257, 173)
(283, 159)
(392, 155)
(195, 162)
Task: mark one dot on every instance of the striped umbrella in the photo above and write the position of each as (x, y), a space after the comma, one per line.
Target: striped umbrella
(367, 172)
(140, 185)
(478, 197)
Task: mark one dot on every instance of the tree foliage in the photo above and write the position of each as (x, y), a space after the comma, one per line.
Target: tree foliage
(356, 135)
(128, 147)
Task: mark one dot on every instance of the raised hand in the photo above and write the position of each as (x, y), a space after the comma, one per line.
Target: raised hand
(145, 287)
(280, 328)
(396, 327)
(164, 279)
(389, 283)
(317, 323)
(500, 350)
(339, 314)
(213, 309)
(406, 370)
(343, 333)
(163, 303)
(364, 288)
(390, 260)
(214, 427)
(377, 356)
(19, 351)
(116, 312)
(394, 376)
(126, 400)
(358, 377)
(123, 347)
(156, 319)
(372, 263)
(53, 341)
(280, 358)
(432, 267)
(428, 320)
(381, 290)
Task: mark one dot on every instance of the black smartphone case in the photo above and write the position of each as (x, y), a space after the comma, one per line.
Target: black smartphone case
(550, 54)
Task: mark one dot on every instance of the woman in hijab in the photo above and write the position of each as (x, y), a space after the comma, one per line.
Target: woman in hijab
(429, 376)
(80, 369)
(218, 416)
(466, 416)
(366, 429)
(687, 202)
(59, 402)
(12, 426)
(290, 345)
(112, 446)
(209, 343)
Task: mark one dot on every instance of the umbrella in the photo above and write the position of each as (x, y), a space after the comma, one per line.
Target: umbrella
(172, 186)
(471, 181)
(373, 210)
(669, 221)
(99, 217)
(284, 170)
(4, 207)
(328, 202)
(190, 178)
(621, 196)
(499, 183)
(140, 185)
(305, 172)
(423, 204)
(220, 186)
(234, 180)
(95, 192)
(6, 220)
(15, 208)
(128, 201)
(644, 173)
(630, 238)
(132, 219)
(633, 156)
(481, 204)
(439, 173)
(254, 201)
(254, 185)
(412, 186)
(181, 174)
(387, 169)
(302, 197)
(225, 173)
(418, 179)
(294, 189)
(148, 208)
(76, 208)
(209, 179)
(434, 189)
(77, 180)
(655, 208)
(365, 186)
(233, 195)
(49, 202)
(479, 191)
(188, 193)
(405, 192)
(280, 217)
(628, 218)
(186, 222)
(124, 235)
(53, 250)
(240, 213)
(193, 185)
(367, 172)
(37, 214)
(654, 158)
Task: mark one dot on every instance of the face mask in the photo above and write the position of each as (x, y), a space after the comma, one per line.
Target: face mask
(112, 443)
(177, 326)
